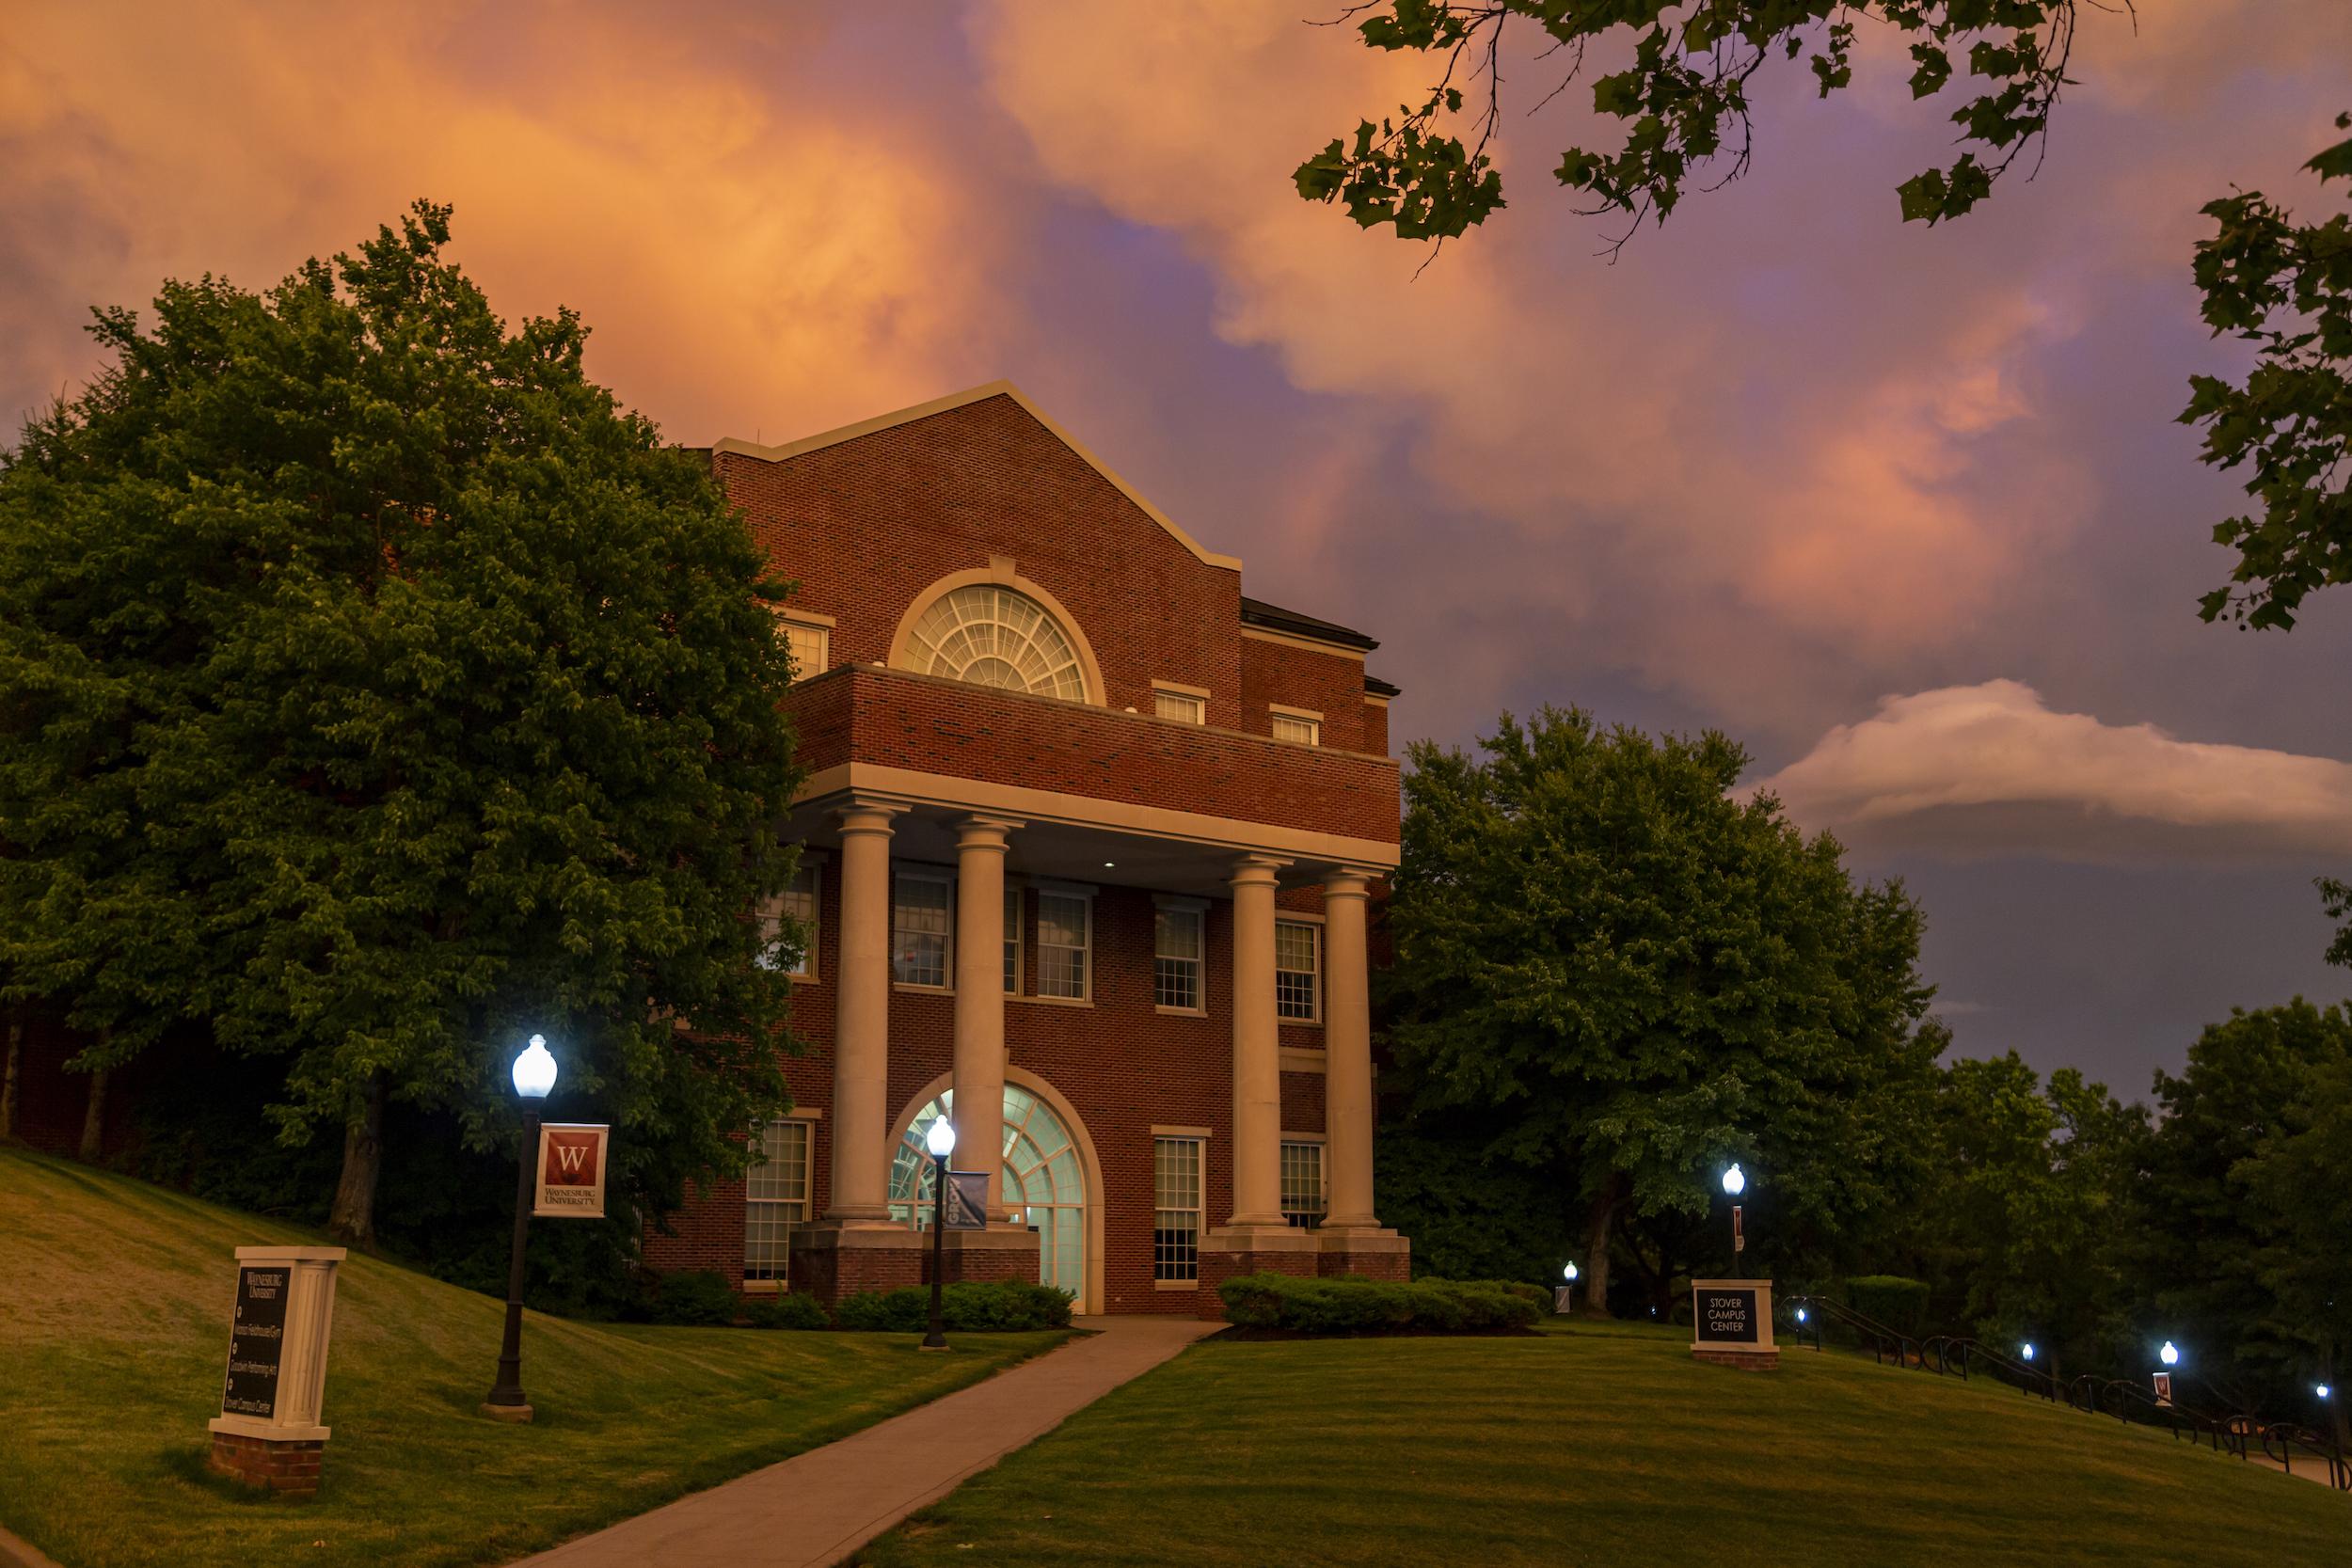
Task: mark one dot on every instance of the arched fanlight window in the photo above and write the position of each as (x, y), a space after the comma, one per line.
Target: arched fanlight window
(993, 636)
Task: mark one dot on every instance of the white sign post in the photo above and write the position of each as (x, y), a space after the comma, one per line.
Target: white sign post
(267, 1433)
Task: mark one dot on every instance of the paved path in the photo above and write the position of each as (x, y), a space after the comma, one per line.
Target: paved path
(816, 1508)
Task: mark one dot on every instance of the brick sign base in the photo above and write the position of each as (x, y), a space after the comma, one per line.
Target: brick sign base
(281, 1468)
(1754, 1360)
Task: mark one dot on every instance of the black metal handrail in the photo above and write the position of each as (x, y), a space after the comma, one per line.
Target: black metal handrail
(2280, 1440)
(1957, 1355)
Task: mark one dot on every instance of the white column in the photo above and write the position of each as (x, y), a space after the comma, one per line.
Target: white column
(861, 1046)
(979, 1102)
(1257, 1058)
(1347, 1052)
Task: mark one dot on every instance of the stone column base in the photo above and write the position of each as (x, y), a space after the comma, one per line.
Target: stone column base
(284, 1467)
(1232, 1251)
(1373, 1254)
(832, 1263)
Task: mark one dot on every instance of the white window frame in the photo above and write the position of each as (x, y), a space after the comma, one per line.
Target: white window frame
(946, 880)
(1315, 928)
(812, 868)
(814, 627)
(1084, 897)
(1306, 724)
(780, 1278)
(1197, 910)
(1016, 910)
(1299, 1218)
(1190, 702)
(1172, 1273)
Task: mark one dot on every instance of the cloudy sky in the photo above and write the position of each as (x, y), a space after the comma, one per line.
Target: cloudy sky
(1903, 509)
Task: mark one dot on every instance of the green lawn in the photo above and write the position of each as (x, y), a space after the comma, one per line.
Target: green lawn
(113, 1330)
(1601, 1446)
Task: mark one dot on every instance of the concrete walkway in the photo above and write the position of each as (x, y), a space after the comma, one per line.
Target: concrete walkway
(816, 1508)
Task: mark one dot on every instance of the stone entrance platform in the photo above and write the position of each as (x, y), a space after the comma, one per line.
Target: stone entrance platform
(816, 1508)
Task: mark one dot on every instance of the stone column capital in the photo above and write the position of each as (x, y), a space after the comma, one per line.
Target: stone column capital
(867, 816)
(986, 832)
(1254, 870)
(1345, 881)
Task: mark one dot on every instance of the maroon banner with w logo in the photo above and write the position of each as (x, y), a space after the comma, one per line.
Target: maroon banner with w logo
(571, 1171)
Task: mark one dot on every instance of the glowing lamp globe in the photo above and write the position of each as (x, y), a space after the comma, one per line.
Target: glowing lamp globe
(1799, 1314)
(2026, 1350)
(1735, 1180)
(941, 1139)
(534, 1070)
(2169, 1355)
(2322, 1390)
(1568, 1273)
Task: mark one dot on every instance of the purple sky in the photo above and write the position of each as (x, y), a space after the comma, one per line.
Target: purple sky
(1902, 510)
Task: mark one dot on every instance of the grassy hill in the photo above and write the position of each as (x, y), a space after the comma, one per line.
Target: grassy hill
(1601, 1445)
(114, 1314)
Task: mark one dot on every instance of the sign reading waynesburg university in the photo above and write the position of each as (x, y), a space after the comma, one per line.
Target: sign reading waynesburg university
(256, 1342)
(571, 1171)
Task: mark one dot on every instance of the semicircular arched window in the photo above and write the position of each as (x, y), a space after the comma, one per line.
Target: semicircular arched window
(993, 636)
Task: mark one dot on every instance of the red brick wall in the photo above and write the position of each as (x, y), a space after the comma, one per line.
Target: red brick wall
(933, 725)
(1329, 683)
(1376, 728)
(865, 525)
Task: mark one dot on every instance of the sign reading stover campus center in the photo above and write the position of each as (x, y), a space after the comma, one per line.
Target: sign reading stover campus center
(571, 1171)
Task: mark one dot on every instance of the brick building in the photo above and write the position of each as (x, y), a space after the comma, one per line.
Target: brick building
(1088, 841)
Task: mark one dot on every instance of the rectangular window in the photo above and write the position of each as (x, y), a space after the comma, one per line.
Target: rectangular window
(1012, 941)
(797, 903)
(1178, 950)
(1176, 1187)
(1303, 1204)
(918, 930)
(1305, 732)
(775, 1198)
(811, 647)
(1298, 970)
(1063, 938)
(1181, 706)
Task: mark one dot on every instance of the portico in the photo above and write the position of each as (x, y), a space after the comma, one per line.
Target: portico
(883, 825)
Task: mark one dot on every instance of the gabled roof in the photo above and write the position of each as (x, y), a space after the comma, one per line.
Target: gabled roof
(1273, 617)
(959, 400)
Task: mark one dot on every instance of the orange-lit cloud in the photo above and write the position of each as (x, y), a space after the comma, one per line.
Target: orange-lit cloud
(749, 257)
(1993, 768)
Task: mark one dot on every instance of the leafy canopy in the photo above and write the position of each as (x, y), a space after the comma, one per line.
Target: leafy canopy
(373, 692)
(1682, 96)
(1628, 976)
(2286, 288)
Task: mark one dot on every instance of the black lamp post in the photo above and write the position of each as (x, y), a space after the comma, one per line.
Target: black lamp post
(535, 1075)
(1736, 1182)
(941, 1141)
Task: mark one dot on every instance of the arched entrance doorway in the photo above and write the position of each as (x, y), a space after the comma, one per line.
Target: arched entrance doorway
(1045, 1182)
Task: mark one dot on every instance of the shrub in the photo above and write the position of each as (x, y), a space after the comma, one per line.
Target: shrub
(788, 1312)
(1534, 1295)
(1004, 1306)
(1900, 1303)
(1349, 1305)
(701, 1298)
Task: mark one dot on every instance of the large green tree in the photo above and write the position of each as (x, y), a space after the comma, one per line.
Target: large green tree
(374, 691)
(1623, 976)
(2022, 1227)
(1681, 90)
(2247, 1166)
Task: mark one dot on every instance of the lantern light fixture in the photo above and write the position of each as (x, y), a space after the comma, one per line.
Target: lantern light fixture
(941, 1139)
(1735, 1179)
(534, 1070)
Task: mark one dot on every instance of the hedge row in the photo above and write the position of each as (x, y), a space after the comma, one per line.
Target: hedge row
(705, 1299)
(1004, 1306)
(1349, 1303)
